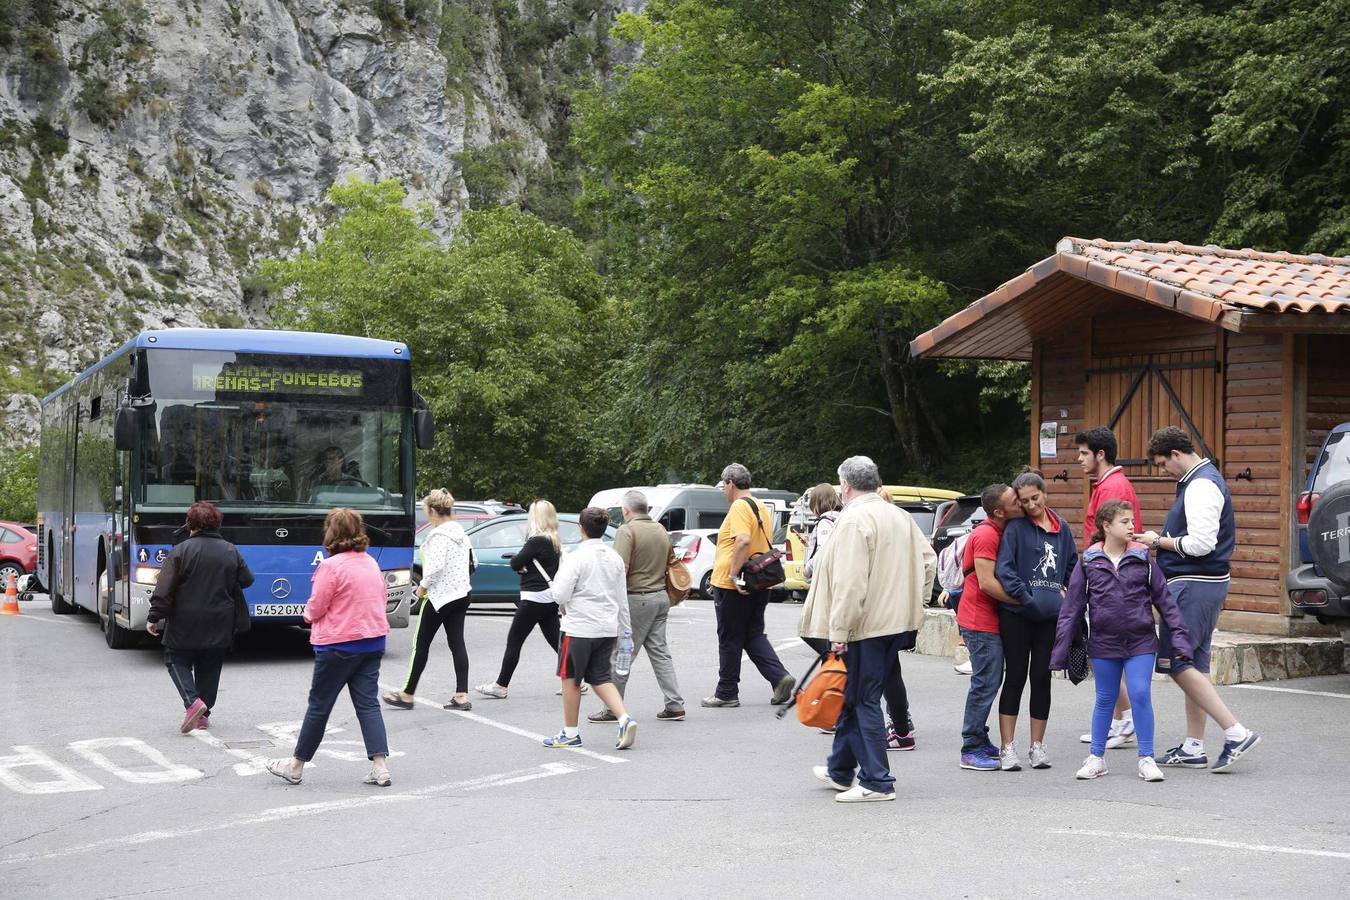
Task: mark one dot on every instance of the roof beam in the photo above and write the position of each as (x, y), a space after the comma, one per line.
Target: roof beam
(1246, 322)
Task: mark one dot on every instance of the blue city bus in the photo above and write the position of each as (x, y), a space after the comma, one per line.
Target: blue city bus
(274, 427)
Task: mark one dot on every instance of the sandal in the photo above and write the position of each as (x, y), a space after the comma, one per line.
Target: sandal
(282, 769)
(395, 700)
(378, 778)
(455, 704)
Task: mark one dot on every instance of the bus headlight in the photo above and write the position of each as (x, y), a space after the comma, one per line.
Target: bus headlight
(146, 574)
(398, 578)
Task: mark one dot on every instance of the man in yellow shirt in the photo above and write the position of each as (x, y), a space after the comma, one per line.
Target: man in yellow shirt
(740, 612)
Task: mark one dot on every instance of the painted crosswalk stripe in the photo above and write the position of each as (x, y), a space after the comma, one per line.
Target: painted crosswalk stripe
(1204, 842)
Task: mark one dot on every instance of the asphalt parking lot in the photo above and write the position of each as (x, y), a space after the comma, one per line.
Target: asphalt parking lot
(101, 797)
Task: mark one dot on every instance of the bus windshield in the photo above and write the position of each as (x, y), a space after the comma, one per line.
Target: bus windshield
(256, 432)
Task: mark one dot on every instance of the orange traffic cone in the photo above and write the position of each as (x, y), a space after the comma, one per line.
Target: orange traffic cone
(11, 607)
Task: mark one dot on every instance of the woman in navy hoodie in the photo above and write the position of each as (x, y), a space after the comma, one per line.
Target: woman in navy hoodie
(1034, 561)
(1119, 586)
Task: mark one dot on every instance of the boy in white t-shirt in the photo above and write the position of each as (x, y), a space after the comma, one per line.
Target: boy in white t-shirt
(591, 589)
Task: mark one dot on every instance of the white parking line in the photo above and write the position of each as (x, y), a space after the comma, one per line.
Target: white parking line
(1280, 690)
(32, 618)
(284, 813)
(511, 729)
(787, 645)
(1204, 842)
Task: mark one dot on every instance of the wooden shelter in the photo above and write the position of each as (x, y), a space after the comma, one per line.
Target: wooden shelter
(1248, 351)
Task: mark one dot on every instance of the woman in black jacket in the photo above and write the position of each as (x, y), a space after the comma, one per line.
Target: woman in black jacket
(196, 597)
(537, 563)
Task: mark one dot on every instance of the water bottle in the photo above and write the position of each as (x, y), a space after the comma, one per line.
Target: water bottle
(623, 661)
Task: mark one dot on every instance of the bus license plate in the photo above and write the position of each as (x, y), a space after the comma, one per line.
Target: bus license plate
(279, 609)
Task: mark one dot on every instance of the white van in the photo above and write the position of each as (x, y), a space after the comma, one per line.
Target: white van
(679, 507)
(686, 507)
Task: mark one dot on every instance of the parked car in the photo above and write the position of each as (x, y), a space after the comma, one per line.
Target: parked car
(494, 543)
(1319, 585)
(925, 504)
(697, 548)
(18, 551)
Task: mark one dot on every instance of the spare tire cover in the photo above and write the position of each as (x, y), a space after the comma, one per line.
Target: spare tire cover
(1329, 533)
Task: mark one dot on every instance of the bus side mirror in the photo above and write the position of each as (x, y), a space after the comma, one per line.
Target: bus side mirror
(424, 429)
(124, 429)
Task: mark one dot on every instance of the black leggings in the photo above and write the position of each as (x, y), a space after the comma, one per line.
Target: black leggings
(528, 615)
(897, 698)
(451, 618)
(1026, 656)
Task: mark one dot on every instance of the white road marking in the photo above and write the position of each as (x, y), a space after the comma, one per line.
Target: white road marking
(786, 645)
(23, 618)
(66, 780)
(511, 729)
(1280, 690)
(1204, 842)
(161, 772)
(253, 764)
(284, 813)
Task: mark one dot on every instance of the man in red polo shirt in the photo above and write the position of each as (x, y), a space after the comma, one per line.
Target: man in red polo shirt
(1097, 450)
(977, 617)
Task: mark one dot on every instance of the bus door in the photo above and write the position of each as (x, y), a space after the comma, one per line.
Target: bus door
(67, 551)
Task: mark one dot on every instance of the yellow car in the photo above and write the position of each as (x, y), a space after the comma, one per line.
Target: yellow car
(920, 502)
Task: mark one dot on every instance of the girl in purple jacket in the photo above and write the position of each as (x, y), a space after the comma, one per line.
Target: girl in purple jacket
(1118, 585)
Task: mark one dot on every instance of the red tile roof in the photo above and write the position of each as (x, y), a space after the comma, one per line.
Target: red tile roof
(1200, 282)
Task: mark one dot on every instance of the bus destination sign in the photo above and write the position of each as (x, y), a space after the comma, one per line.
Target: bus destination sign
(207, 378)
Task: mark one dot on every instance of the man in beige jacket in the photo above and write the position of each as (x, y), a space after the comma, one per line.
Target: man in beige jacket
(867, 600)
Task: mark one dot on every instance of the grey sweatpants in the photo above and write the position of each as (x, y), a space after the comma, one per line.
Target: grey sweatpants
(649, 613)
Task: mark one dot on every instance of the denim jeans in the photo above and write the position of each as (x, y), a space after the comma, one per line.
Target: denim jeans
(360, 674)
(860, 733)
(196, 674)
(986, 676)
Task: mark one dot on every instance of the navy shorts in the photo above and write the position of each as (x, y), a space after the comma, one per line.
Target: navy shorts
(586, 659)
(1200, 603)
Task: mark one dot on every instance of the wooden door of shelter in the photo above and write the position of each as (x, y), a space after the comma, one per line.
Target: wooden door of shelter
(1136, 394)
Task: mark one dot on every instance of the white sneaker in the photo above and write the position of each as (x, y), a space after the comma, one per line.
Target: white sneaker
(1122, 737)
(1007, 758)
(1093, 767)
(822, 773)
(1148, 769)
(963, 668)
(860, 794)
(1039, 758)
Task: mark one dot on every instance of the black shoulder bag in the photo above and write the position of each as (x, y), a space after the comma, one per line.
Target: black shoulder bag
(763, 570)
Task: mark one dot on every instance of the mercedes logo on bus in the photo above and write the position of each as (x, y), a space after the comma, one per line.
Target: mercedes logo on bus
(282, 532)
(281, 589)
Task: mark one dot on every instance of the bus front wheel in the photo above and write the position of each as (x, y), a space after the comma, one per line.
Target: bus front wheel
(117, 637)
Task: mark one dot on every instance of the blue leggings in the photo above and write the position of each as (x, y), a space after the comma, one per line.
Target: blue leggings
(1138, 674)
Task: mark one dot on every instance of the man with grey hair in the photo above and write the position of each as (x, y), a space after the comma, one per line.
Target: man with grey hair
(644, 546)
(866, 599)
(740, 611)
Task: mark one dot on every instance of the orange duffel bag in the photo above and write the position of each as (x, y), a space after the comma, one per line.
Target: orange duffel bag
(819, 700)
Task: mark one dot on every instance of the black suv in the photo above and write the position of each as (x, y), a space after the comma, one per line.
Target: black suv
(1320, 585)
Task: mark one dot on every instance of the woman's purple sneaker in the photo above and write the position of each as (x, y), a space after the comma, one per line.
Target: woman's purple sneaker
(193, 715)
(204, 722)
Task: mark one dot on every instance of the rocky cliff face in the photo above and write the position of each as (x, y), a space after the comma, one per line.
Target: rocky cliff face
(153, 152)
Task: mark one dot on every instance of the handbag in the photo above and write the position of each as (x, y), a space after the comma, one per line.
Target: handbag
(678, 580)
(1078, 664)
(820, 700)
(763, 570)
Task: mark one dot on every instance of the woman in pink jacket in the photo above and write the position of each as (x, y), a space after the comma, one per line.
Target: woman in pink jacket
(346, 612)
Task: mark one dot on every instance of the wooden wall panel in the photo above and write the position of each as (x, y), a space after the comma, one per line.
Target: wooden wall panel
(1060, 387)
(1254, 418)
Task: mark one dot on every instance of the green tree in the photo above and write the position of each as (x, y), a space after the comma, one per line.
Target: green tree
(18, 484)
(785, 207)
(509, 328)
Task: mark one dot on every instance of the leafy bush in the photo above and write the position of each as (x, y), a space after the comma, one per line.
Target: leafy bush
(18, 484)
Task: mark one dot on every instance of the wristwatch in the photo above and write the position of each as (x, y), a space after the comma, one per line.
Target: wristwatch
(1157, 543)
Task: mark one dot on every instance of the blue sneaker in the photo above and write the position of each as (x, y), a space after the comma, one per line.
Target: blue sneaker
(979, 761)
(1176, 758)
(1235, 750)
(562, 740)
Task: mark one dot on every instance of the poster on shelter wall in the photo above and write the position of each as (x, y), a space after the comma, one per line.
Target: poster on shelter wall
(1049, 440)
